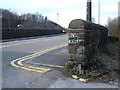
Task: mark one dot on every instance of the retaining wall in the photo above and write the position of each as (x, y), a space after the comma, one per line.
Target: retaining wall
(18, 33)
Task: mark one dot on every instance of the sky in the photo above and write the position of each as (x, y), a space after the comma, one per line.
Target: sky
(67, 9)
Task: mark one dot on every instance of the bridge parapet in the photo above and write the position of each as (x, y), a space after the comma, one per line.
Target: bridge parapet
(85, 38)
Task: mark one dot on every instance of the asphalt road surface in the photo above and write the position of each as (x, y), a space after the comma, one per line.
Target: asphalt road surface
(15, 77)
(18, 73)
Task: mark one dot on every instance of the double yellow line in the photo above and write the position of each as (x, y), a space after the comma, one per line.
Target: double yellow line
(19, 62)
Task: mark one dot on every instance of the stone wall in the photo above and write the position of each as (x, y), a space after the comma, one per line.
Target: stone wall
(85, 39)
(19, 33)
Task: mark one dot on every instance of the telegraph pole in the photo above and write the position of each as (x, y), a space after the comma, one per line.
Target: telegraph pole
(89, 11)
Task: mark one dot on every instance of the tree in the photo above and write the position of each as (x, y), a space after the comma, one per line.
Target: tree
(9, 19)
(13, 20)
(33, 17)
(113, 26)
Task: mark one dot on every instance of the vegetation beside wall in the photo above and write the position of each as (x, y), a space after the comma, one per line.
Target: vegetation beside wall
(113, 26)
(26, 25)
(11, 20)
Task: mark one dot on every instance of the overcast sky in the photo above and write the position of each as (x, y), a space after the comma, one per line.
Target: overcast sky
(67, 9)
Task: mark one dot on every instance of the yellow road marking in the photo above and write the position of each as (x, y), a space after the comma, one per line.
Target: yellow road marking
(13, 63)
(20, 62)
(80, 79)
(34, 70)
(39, 53)
(21, 65)
(83, 80)
(75, 76)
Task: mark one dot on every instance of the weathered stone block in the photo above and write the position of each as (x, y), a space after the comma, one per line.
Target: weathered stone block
(72, 49)
(79, 24)
(80, 50)
(76, 57)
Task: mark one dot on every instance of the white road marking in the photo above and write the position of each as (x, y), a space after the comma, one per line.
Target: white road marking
(29, 41)
(49, 65)
(22, 43)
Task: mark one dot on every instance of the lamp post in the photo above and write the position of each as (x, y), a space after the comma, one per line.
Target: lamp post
(58, 18)
(89, 10)
(98, 11)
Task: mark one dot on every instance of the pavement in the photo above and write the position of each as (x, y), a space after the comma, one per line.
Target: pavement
(72, 83)
(61, 55)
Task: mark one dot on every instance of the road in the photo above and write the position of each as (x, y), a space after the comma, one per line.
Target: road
(18, 72)
(13, 77)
